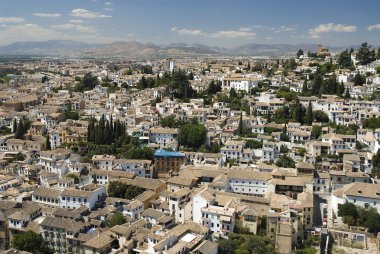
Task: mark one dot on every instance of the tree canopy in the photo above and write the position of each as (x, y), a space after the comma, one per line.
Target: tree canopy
(88, 82)
(116, 219)
(344, 59)
(245, 243)
(31, 242)
(118, 189)
(365, 55)
(285, 162)
(192, 135)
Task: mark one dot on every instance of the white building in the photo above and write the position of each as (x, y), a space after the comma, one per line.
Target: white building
(103, 162)
(220, 220)
(86, 196)
(164, 137)
(365, 195)
(248, 182)
(240, 83)
(141, 168)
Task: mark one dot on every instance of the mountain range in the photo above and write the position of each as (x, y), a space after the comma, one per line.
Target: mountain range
(133, 48)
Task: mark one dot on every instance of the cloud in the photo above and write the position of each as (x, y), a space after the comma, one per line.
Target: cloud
(374, 27)
(243, 32)
(11, 20)
(108, 3)
(33, 32)
(83, 13)
(330, 27)
(27, 32)
(108, 9)
(76, 21)
(285, 29)
(47, 15)
(77, 27)
(184, 31)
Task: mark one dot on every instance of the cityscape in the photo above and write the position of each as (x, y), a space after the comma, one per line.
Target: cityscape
(189, 127)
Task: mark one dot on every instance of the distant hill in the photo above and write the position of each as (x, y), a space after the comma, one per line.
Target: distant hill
(51, 47)
(272, 49)
(134, 48)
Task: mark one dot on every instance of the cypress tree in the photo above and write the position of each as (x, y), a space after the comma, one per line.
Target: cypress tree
(299, 112)
(89, 131)
(309, 114)
(305, 89)
(334, 85)
(322, 88)
(240, 128)
(318, 80)
(47, 145)
(14, 128)
(20, 129)
(284, 134)
(347, 94)
(340, 89)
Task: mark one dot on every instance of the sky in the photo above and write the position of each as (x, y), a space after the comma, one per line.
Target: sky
(222, 23)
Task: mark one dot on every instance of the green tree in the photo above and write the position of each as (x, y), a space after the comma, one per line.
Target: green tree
(142, 153)
(349, 212)
(44, 79)
(20, 131)
(245, 243)
(128, 72)
(168, 121)
(214, 87)
(192, 135)
(376, 164)
(309, 114)
(316, 131)
(317, 83)
(47, 142)
(299, 53)
(372, 123)
(299, 112)
(305, 88)
(18, 157)
(240, 126)
(14, 127)
(370, 219)
(284, 134)
(118, 189)
(344, 59)
(340, 89)
(190, 76)
(347, 94)
(254, 144)
(74, 176)
(364, 54)
(321, 116)
(233, 94)
(88, 82)
(359, 80)
(285, 162)
(180, 87)
(116, 219)
(31, 242)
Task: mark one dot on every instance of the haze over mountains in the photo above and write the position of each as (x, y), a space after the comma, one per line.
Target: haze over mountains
(134, 48)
